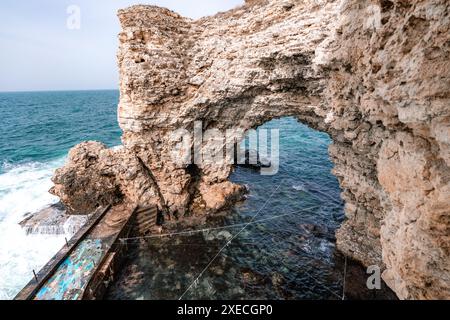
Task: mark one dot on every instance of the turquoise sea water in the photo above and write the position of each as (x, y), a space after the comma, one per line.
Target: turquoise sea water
(37, 129)
(287, 250)
(288, 253)
(42, 126)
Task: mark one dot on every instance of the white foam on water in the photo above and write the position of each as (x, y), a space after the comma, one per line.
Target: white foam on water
(24, 189)
(300, 187)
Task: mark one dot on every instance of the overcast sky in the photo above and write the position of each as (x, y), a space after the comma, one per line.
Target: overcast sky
(39, 52)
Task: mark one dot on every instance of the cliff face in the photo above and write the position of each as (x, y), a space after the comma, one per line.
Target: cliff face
(397, 83)
(374, 75)
(234, 70)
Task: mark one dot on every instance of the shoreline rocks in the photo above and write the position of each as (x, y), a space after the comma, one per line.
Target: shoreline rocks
(53, 220)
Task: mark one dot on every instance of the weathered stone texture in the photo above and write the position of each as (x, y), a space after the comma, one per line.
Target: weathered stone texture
(375, 75)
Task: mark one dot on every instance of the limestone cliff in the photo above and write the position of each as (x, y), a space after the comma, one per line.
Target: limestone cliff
(374, 75)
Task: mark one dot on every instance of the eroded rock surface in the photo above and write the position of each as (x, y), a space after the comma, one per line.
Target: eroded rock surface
(374, 75)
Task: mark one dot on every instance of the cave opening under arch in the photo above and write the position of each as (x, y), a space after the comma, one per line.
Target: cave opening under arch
(281, 238)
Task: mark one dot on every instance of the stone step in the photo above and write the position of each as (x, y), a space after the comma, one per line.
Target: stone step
(147, 209)
(143, 231)
(146, 224)
(145, 219)
(147, 213)
(146, 216)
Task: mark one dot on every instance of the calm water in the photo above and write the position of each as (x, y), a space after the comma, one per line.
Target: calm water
(288, 252)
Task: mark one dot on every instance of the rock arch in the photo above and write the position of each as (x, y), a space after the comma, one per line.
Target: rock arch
(373, 75)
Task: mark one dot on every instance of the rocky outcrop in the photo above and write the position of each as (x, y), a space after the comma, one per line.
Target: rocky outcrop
(391, 93)
(374, 75)
(95, 176)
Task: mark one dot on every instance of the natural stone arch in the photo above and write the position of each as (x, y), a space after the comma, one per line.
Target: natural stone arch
(168, 81)
(374, 75)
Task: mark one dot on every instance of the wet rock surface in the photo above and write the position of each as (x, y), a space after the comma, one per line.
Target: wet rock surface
(53, 220)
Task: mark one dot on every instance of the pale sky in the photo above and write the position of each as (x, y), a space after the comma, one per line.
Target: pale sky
(39, 52)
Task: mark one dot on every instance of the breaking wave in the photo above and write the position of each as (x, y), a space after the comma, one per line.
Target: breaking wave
(24, 189)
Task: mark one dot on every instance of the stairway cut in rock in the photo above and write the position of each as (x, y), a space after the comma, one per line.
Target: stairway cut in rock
(146, 220)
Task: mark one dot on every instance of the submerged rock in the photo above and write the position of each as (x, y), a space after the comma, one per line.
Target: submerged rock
(255, 162)
(53, 220)
(224, 235)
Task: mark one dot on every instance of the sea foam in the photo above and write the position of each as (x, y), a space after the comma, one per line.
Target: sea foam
(24, 189)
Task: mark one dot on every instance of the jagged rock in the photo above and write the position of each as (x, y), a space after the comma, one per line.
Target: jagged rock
(252, 161)
(53, 220)
(95, 176)
(374, 75)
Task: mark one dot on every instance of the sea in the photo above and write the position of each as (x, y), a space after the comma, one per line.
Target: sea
(37, 129)
(277, 244)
